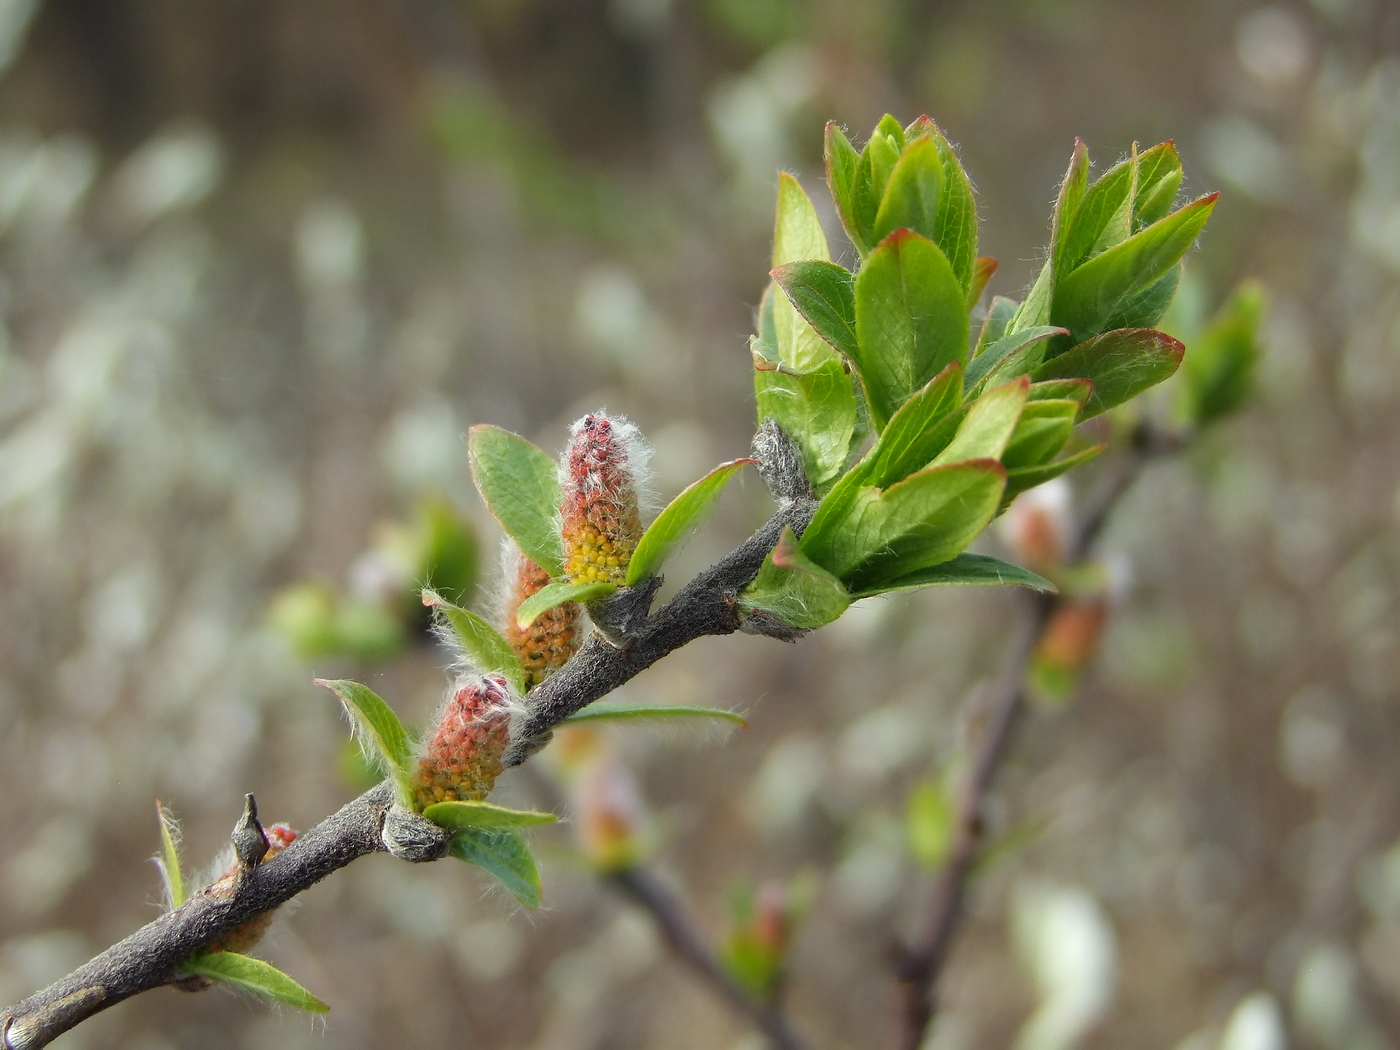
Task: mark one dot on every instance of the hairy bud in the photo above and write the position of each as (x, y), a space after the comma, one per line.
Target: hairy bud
(601, 519)
(548, 643)
(463, 757)
(245, 937)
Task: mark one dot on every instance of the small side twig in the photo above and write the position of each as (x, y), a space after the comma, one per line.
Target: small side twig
(644, 889)
(1001, 707)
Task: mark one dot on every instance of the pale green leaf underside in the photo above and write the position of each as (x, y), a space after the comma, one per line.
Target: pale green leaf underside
(169, 860)
(381, 735)
(253, 975)
(458, 816)
(503, 855)
(552, 594)
(682, 516)
(638, 712)
(484, 645)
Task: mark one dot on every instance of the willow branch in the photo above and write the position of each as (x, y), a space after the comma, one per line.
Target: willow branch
(1000, 710)
(642, 887)
(149, 957)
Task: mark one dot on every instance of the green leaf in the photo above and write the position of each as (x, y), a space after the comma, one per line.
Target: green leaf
(682, 516)
(797, 231)
(459, 816)
(1145, 308)
(842, 161)
(978, 570)
(764, 345)
(1159, 179)
(955, 230)
(1077, 390)
(1018, 481)
(1000, 313)
(253, 975)
(988, 425)
(817, 410)
(914, 434)
(912, 194)
(877, 162)
(982, 269)
(824, 294)
(520, 485)
(928, 824)
(1089, 297)
(625, 711)
(1041, 432)
(794, 589)
(1072, 190)
(1121, 364)
(925, 519)
(557, 593)
(1011, 356)
(1104, 213)
(484, 645)
(169, 859)
(1218, 373)
(380, 733)
(503, 855)
(1035, 310)
(911, 320)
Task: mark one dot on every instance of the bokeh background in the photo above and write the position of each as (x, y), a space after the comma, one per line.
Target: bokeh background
(262, 264)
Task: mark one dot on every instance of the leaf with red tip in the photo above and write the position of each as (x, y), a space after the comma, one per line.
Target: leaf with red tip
(1121, 364)
(982, 269)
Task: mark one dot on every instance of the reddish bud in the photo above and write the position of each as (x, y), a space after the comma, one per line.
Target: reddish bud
(600, 517)
(244, 938)
(463, 757)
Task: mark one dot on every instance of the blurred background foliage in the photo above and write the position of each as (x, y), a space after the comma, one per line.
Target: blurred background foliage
(262, 264)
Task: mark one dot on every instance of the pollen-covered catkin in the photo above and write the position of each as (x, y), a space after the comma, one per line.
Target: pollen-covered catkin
(463, 757)
(601, 518)
(548, 643)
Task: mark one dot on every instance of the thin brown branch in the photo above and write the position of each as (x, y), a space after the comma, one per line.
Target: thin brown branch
(149, 957)
(643, 888)
(999, 712)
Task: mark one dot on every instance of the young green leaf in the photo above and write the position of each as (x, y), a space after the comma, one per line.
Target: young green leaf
(484, 645)
(988, 425)
(916, 433)
(1035, 310)
(818, 410)
(1121, 364)
(1077, 390)
(797, 235)
(1041, 432)
(380, 733)
(169, 859)
(1000, 313)
(520, 486)
(1145, 308)
(982, 269)
(955, 230)
(842, 161)
(1159, 179)
(912, 194)
(557, 593)
(877, 162)
(1018, 481)
(625, 711)
(1011, 356)
(252, 975)
(923, 520)
(794, 589)
(1090, 296)
(1072, 190)
(682, 516)
(824, 294)
(979, 570)
(911, 320)
(1104, 211)
(459, 816)
(504, 855)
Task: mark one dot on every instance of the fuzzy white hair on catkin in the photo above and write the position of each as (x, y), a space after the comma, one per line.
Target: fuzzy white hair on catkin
(636, 459)
(503, 597)
(511, 703)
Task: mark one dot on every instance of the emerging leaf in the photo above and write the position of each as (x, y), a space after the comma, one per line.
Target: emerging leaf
(1041, 432)
(520, 485)
(842, 162)
(824, 294)
(625, 711)
(253, 975)
(794, 589)
(1011, 356)
(979, 570)
(911, 320)
(459, 816)
(504, 855)
(483, 644)
(912, 195)
(169, 859)
(380, 733)
(817, 409)
(988, 425)
(682, 516)
(547, 598)
(1121, 364)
